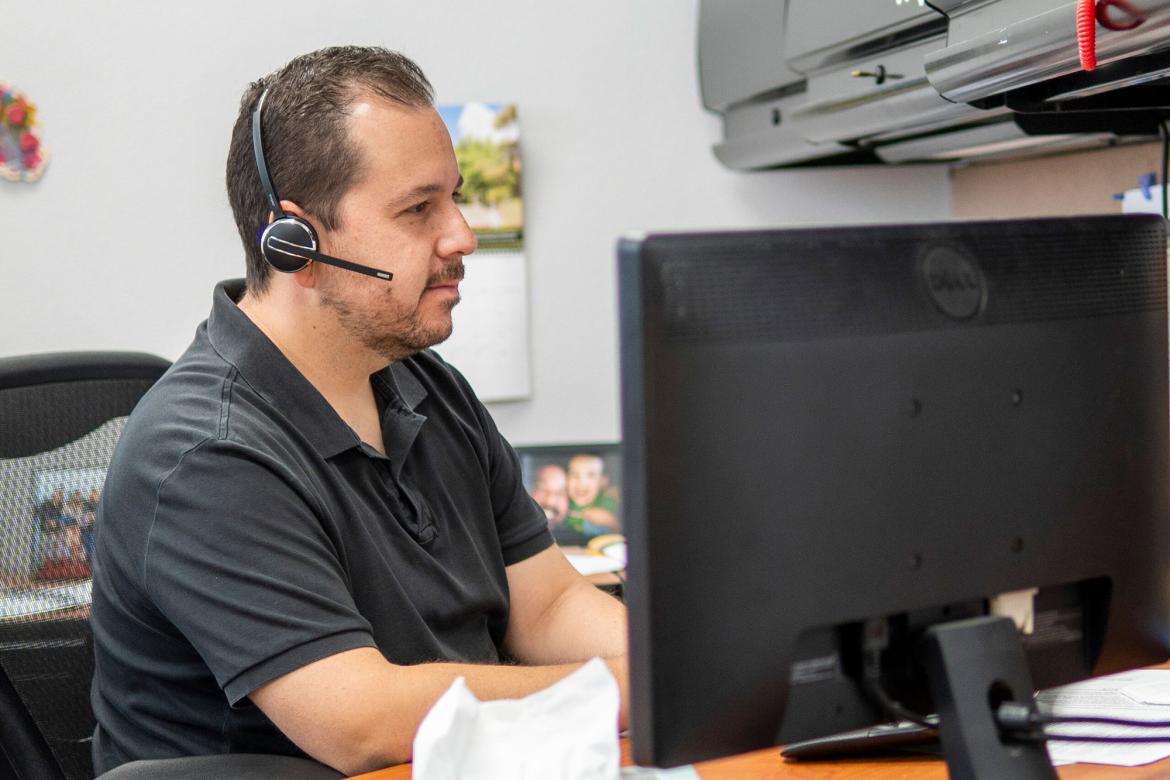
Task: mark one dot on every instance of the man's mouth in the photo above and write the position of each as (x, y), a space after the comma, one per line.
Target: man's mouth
(449, 277)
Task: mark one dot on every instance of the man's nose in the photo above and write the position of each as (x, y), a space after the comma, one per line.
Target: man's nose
(459, 238)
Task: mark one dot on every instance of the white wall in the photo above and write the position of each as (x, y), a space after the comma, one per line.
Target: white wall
(119, 245)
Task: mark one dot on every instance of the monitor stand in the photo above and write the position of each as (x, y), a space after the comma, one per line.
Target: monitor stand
(973, 666)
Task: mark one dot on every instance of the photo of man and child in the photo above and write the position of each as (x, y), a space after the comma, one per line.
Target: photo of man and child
(579, 489)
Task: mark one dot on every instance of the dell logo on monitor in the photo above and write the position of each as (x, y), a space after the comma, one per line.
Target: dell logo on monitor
(955, 282)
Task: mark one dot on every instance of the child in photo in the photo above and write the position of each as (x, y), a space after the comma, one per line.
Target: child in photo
(593, 509)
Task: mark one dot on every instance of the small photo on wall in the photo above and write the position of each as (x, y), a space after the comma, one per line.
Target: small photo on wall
(578, 487)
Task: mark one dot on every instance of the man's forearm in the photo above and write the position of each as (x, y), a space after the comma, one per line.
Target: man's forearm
(356, 712)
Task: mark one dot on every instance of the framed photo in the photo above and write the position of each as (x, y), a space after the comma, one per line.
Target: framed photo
(65, 504)
(579, 487)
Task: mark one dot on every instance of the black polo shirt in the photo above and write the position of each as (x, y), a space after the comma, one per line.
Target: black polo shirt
(246, 531)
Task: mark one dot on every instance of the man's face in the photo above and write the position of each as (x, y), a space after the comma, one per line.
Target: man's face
(585, 479)
(400, 216)
(549, 492)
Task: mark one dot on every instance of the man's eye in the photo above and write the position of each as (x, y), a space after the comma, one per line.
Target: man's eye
(419, 208)
(457, 196)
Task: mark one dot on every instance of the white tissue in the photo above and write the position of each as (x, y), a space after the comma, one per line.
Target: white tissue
(565, 732)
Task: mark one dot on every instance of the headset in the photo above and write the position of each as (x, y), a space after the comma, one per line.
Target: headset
(289, 243)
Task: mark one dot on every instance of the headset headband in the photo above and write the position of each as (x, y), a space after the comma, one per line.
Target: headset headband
(261, 163)
(289, 238)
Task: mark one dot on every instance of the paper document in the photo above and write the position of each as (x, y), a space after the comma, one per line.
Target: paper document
(1139, 695)
(1145, 200)
(594, 563)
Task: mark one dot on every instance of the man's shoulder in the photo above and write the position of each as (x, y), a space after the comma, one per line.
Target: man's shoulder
(192, 403)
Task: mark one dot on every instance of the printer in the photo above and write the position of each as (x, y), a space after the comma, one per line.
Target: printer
(817, 82)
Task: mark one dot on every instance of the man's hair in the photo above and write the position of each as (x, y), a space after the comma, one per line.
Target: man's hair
(311, 158)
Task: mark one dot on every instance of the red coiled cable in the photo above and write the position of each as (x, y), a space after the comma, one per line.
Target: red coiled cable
(1087, 33)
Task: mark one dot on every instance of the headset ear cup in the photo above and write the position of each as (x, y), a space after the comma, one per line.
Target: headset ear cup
(281, 239)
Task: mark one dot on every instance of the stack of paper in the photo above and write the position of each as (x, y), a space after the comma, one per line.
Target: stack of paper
(1142, 695)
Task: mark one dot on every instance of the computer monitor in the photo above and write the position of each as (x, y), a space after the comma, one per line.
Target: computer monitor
(837, 438)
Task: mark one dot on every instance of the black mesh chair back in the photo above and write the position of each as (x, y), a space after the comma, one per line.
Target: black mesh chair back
(60, 416)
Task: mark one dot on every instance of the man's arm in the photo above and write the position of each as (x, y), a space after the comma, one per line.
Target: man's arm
(355, 711)
(557, 616)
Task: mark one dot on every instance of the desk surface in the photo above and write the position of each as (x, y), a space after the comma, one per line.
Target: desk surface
(768, 765)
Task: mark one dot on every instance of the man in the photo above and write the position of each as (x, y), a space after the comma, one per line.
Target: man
(311, 527)
(551, 494)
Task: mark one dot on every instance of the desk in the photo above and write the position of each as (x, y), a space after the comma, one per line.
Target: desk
(768, 765)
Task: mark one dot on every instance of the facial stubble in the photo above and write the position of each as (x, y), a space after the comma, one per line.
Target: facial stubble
(377, 320)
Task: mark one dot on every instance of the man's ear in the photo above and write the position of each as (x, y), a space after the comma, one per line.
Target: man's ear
(307, 276)
(293, 210)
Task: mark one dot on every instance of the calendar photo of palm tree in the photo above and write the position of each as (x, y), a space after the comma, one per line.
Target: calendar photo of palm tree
(486, 137)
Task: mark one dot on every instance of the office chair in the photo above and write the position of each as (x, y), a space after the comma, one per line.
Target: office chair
(60, 416)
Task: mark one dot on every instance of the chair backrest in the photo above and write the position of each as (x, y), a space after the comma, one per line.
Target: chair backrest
(60, 416)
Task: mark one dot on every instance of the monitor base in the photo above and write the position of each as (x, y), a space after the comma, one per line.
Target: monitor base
(973, 666)
(881, 740)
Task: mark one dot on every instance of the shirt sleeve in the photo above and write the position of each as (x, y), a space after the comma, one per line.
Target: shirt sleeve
(520, 522)
(238, 561)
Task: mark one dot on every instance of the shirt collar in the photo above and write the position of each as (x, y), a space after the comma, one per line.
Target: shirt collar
(401, 392)
(404, 384)
(267, 371)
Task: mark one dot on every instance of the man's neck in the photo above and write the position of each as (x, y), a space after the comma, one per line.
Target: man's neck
(337, 366)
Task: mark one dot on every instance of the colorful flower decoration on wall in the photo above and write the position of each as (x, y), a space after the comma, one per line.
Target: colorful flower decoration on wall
(22, 157)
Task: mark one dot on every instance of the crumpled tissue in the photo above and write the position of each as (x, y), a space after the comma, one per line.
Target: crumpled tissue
(565, 732)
